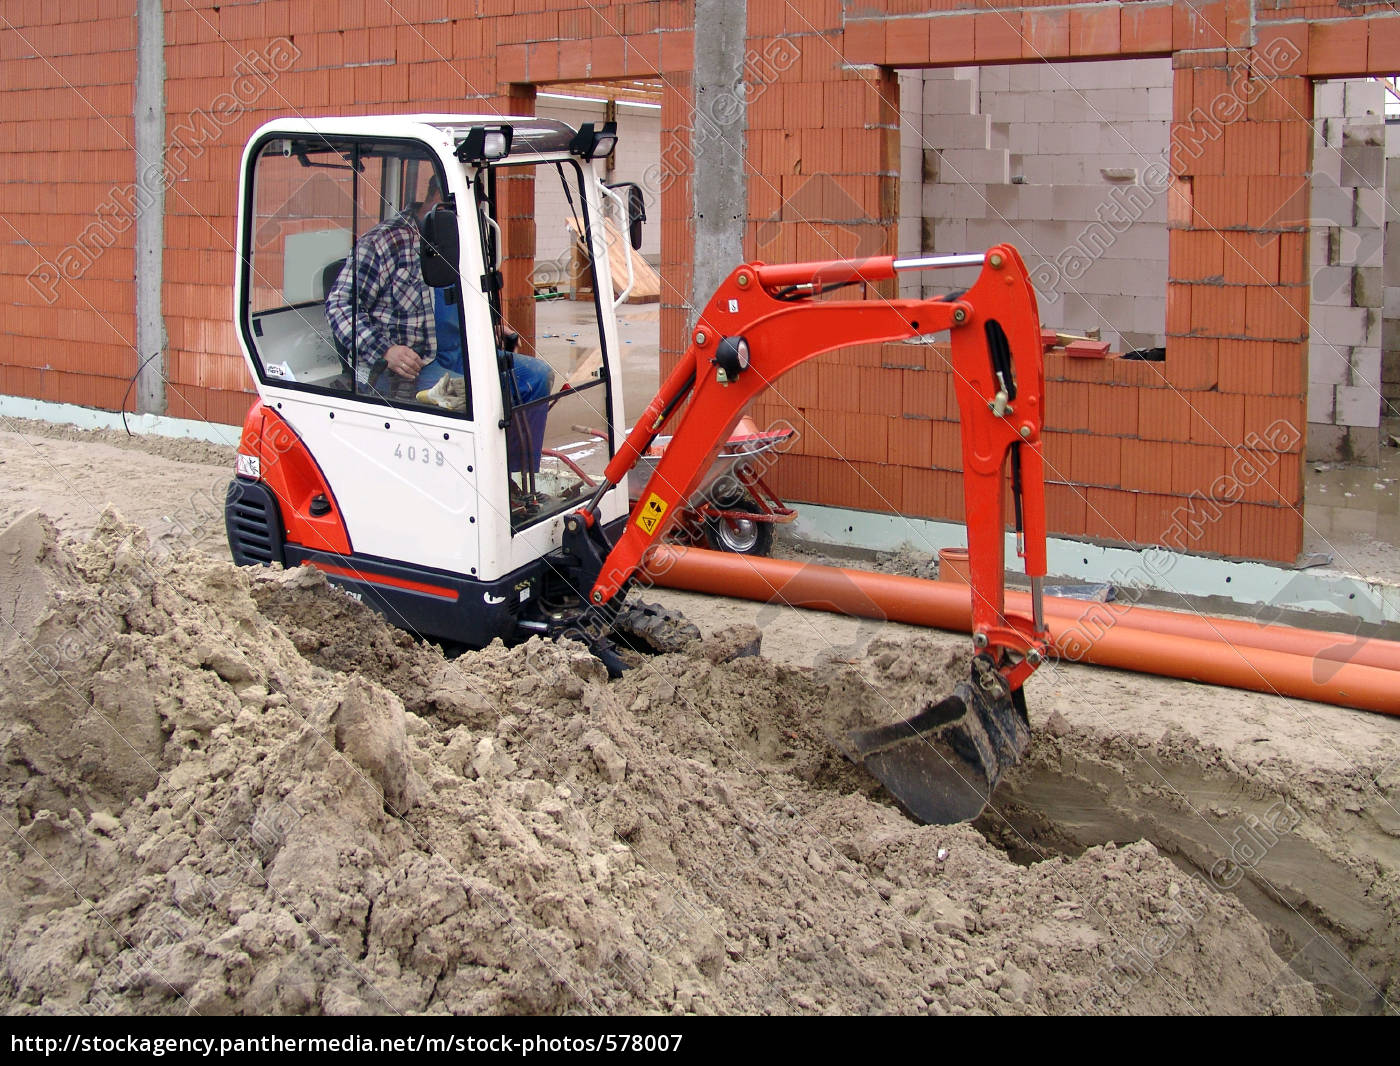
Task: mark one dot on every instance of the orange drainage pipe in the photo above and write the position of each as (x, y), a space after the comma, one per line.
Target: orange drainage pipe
(1101, 638)
(1082, 620)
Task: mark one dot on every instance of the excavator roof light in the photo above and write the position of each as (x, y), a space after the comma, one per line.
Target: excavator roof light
(594, 142)
(484, 144)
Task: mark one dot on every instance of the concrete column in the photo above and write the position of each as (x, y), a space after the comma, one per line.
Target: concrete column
(150, 209)
(720, 128)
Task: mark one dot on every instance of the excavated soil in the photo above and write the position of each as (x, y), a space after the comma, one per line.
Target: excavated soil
(240, 791)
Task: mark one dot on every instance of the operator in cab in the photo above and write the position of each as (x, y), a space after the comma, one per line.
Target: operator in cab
(407, 335)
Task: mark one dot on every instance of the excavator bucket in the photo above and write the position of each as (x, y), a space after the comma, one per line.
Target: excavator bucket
(943, 764)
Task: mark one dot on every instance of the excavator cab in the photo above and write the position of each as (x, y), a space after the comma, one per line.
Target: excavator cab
(415, 436)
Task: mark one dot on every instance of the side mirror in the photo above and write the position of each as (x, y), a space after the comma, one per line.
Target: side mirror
(438, 247)
(636, 211)
(636, 215)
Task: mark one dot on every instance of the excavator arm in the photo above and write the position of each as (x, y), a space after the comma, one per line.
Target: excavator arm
(771, 311)
(765, 320)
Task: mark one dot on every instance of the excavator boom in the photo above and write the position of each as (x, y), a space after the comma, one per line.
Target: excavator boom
(765, 320)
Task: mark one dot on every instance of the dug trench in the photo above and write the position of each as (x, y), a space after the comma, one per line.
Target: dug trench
(1287, 807)
(1312, 857)
(240, 791)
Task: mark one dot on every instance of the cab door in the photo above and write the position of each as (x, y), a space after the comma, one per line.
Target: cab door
(332, 295)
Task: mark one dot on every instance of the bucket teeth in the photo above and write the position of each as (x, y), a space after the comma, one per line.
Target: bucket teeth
(943, 764)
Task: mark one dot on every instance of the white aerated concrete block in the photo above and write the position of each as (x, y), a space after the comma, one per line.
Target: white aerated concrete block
(1342, 327)
(957, 131)
(1366, 367)
(1329, 99)
(1364, 97)
(1040, 109)
(948, 96)
(1328, 364)
(990, 167)
(1358, 405)
(1322, 403)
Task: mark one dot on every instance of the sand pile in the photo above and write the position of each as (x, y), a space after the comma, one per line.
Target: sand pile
(240, 791)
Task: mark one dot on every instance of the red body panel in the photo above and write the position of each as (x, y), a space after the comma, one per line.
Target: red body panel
(291, 472)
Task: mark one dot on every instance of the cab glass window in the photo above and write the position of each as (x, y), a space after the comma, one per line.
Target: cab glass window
(337, 299)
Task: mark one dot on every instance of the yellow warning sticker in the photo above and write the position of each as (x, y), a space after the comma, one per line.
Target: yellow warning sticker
(650, 515)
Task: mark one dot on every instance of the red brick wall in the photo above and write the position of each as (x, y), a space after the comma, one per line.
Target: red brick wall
(67, 314)
(1128, 445)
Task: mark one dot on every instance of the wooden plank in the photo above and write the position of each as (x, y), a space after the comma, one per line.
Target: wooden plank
(646, 282)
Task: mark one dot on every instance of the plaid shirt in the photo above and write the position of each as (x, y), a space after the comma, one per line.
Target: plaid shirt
(394, 306)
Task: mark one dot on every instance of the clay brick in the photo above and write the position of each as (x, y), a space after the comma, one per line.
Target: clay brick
(1067, 407)
(880, 392)
(1196, 468)
(1095, 460)
(1279, 99)
(1289, 363)
(911, 442)
(1292, 258)
(1110, 513)
(1295, 144)
(1145, 29)
(997, 36)
(1146, 466)
(1201, 25)
(945, 445)
(644, 54)
(1087, 349)
(1278, 312)
(863, 41)
(1277, 421)
(1217, 418)
(512, 61)
(1383, 47)
(1113, 409)
(1218, 310)
(1219, 202)
(1339, 47)
(1099, 371)
(951, 39)
(1057, 452)
(906, 42)
(1246, 366)
(1197, 148)
(1093, 30)
(1045, 34)
(1251, 258)
(1192, 363)
(1065, 510)
(1287, 478)
(1181, 203)
(1283, 48)
(1178, 308)
(1164, 414)
(921, 491)
(925, 393)
(1276, 202)
(1195, 255)
(863, 486)
(677, 51)
(1252, 148)
(1272, 532)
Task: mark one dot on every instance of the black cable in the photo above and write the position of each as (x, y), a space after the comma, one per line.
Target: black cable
(132, 384)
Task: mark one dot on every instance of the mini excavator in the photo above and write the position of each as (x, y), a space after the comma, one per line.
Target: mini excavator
(467, 509)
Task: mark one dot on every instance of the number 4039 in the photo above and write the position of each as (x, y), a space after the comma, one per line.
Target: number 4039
(419, 453)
